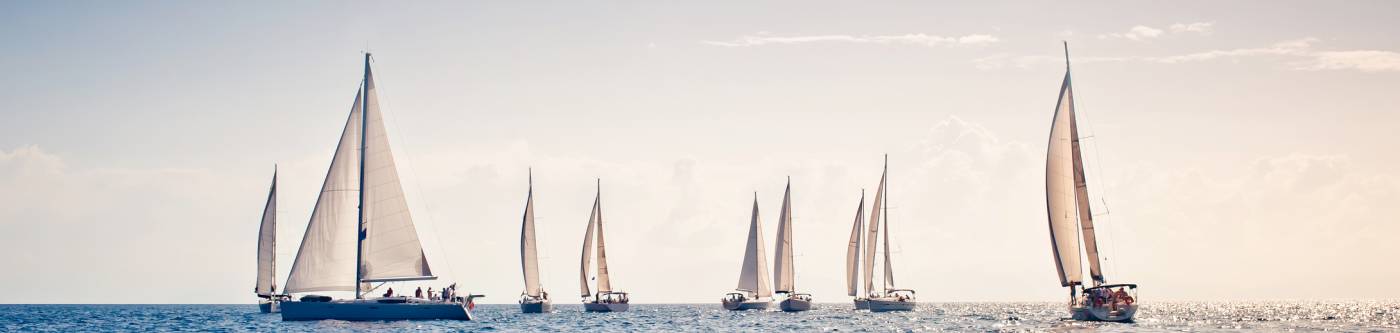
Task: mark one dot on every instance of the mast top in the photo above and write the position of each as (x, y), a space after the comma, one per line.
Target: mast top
(1066, 43)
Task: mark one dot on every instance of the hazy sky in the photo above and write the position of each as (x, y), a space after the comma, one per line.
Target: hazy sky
(1242, 149)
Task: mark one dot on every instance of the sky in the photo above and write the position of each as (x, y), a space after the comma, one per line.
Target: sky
(1239, 150)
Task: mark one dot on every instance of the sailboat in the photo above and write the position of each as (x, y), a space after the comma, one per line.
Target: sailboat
(266, 287)
(753, 291)
(605, 299)
(361, 233)
(784, 271)
(891, 298)
(853, 254)
(1067, 203)
(534, 299)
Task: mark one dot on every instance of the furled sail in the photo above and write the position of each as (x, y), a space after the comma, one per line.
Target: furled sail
(529, 261)
(782, 258)
(753, 276)
(873, 233)
(853, 249)
(390, 250)
(267, 244)
(586, 261)
(1060, 189)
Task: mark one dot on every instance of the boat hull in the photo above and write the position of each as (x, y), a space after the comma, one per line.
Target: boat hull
(371, 310)
(269, 306)
(795, 305)
(747, 305)
(544, 306)
(862, 304)
(1123, 314)
(882, 305)
(605, 307)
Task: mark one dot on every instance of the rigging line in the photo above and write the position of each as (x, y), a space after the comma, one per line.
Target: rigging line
(1103, 193)
(412, 167)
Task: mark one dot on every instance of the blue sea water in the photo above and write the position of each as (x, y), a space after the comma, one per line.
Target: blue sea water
(1357, 316)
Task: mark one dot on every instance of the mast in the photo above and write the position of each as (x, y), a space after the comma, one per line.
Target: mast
(360, 229)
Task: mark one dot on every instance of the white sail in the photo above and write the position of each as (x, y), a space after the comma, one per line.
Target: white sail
(753, 276)
(604, 281)
(326, 259)
(267, 244)
(1060, 189)
(782, 256)
(390, 250)
(584, 264)
(873, 233)
(889, 267)
(853, 250)
(529, 261)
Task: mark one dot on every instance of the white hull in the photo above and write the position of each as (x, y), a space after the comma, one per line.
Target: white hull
(544, 306)
(747, 305)
(1123, 314)
(371, 310)
(605, 307)
(862, 304)
(883, 305)
(266, 306)
(795, 305)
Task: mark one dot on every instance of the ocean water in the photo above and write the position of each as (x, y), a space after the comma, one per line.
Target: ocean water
(1377, 316)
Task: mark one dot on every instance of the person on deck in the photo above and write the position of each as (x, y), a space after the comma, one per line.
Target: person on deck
(418, 293)
(389, 293)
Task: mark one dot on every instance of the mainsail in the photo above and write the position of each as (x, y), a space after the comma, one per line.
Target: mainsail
(873, 233)
(782, 257)
(267, 244)
(853, 249)
(361, 212)
(529, 261)
(1066, 194)
(753, 276)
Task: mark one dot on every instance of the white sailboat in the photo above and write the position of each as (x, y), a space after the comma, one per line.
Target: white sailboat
(266, 287)
(605, 299)
(361, 233)
(534, 299)
(783, 273)
(853, 254)
(891, 298)
(1067, 202)
(753, 290)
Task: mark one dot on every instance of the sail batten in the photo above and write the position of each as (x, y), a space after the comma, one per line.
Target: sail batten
(853, 250)
(754, 274)
(267, 244)
(782, 259)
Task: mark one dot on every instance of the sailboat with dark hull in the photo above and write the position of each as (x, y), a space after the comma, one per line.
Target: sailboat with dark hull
(266, 287)
(605, 299)
(534, 299)
(361, 233)
(1067, 203)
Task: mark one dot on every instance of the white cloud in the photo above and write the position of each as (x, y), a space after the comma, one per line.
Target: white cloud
(1142, 32)
(911, 39)
(1197, 27)
(1300, 54)
(1363, 60)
